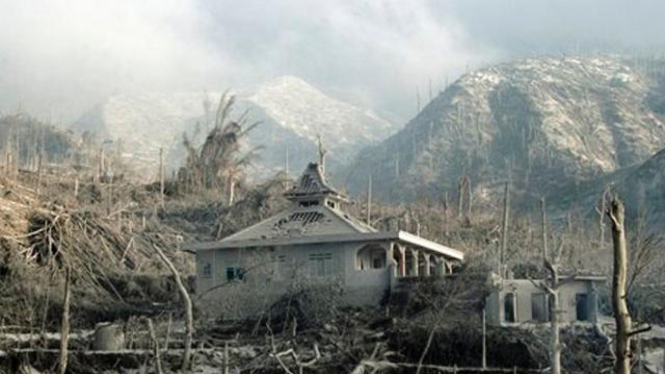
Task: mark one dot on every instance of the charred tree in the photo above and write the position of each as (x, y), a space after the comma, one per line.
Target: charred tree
(616, 213)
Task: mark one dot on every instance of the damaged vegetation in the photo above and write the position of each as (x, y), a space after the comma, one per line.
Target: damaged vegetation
(81, 245)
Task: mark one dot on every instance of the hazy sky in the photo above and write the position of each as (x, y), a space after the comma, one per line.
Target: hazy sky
(64, 56)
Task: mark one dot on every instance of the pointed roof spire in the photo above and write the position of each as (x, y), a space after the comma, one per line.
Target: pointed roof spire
(322, 153)
(312, 185)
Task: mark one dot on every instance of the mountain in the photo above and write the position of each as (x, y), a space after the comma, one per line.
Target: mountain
(545, 123)
(641, 187)
(291, 113)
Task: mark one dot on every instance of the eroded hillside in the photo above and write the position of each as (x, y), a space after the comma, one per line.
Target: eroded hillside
(547, 122)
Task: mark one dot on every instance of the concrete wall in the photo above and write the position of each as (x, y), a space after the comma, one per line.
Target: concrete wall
(524, 290)
(272, 272)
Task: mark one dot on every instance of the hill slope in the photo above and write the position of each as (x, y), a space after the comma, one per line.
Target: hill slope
(548, 122)
(641, 187)
(291, 112)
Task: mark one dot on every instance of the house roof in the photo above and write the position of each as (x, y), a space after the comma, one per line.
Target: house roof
(299, 221)
(310, 219)
(402, 237)
(313, 184)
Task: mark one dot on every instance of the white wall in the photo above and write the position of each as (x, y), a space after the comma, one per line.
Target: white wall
(523, 289)
(267, 278)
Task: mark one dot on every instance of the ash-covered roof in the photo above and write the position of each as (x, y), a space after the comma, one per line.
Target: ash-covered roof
(312, 184)
(316, 216)
(302, 222)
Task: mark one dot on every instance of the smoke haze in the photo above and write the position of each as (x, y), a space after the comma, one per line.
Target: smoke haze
(58, 58)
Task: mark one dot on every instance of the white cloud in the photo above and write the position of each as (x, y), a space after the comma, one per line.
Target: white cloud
(69, 54)
(66, 54)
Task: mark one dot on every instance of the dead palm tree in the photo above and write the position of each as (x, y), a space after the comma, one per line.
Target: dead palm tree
(219, 164)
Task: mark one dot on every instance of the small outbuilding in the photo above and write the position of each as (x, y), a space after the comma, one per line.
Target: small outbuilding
(313, 242)
(519, 301)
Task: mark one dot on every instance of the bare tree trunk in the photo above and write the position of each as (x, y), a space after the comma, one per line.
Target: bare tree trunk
(64, 328)
(468, 198)
(543, 211)
(396, 166)
(39, 172)
(619, 293)
(226, 358)
(155, 347)
(553, 291)
(504, 230)
(100, 167)
(161, 176)
(484, 357)
(460, 197)
(369, 200)
(188, 308)
(555, 344)
(232, 190)
(445, 213)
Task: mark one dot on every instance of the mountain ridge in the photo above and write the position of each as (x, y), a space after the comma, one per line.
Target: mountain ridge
(543, 123)
(292, 113)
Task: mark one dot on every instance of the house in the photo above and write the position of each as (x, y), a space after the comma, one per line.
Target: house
(313, 242)
(518, 301)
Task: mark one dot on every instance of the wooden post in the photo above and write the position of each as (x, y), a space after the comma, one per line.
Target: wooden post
(76, 188)
(64, 328)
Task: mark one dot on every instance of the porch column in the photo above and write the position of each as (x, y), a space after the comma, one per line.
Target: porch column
(426, 268)
(414, 263)
(441, 266)
(402, 260)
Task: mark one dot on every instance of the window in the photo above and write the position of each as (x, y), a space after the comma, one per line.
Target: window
(509, 308)
(331, 204)
(207, 270)
(234, 274)
(321, 264)
(540, 307)
(581, 307)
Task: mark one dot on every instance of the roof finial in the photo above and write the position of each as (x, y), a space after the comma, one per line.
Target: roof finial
(322, 153)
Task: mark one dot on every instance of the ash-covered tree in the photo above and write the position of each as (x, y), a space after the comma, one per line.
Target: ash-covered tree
(219, 163)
